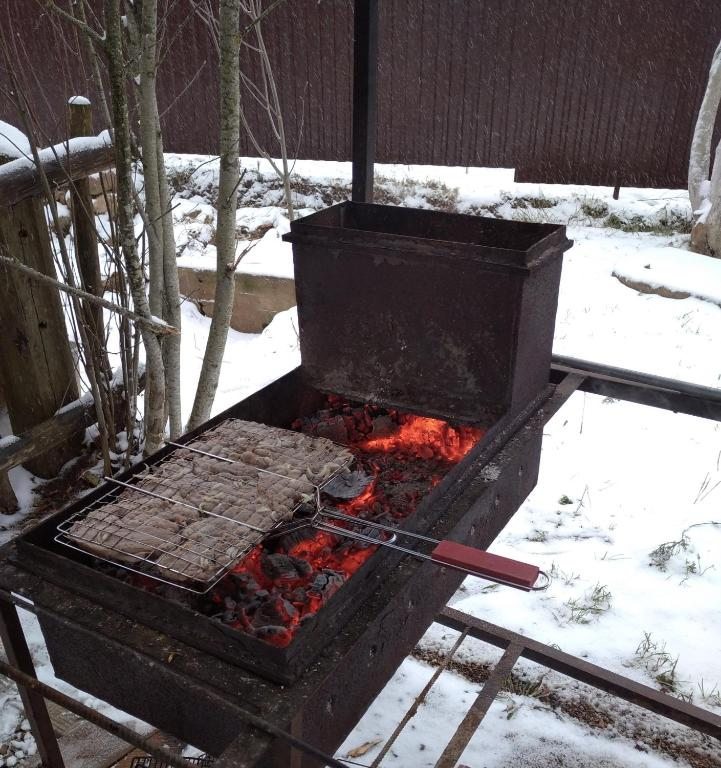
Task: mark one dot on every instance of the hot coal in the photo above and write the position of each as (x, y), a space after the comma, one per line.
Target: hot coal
(280, 567)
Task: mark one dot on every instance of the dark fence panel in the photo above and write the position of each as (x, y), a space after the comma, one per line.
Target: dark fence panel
(586, 91)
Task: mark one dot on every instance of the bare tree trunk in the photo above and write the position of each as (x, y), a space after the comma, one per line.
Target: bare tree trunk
(164, 288)
(229, 35)
(171, 295)
(705, 192)
(700, 159)
(147, 44)
(155, 388)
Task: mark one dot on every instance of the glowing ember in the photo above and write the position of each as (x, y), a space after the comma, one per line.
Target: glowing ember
(426, 438)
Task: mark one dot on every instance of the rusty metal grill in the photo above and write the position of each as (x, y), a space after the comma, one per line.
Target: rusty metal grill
(188, 518)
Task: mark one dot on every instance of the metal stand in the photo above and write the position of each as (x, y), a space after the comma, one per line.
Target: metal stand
(571, 375)
(18, 653)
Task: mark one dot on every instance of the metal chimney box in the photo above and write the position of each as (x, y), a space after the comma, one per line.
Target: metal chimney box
(446, 314)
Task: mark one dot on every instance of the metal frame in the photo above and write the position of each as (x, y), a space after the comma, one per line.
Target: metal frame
(515, 647)
(665, 393)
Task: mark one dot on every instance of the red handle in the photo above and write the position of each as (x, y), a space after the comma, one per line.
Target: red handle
(486, 565)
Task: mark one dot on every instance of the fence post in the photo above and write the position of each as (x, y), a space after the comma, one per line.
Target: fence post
(36, 364)
(86, 240)
(8, 500)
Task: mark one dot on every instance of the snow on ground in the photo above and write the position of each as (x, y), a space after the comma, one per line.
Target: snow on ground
(623, 514)
(681, 274)
(251, 360)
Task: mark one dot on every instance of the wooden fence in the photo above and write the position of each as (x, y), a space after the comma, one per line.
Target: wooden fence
(587, 91)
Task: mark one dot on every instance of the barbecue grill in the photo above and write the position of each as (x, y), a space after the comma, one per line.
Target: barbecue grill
(476, 369)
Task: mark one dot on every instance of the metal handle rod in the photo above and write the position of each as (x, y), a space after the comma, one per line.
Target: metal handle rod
(374, 524)
(420, 556)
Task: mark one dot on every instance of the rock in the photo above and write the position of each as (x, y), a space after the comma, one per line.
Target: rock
(103, 203)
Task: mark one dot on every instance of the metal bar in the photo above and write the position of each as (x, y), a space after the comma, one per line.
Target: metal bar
(337, 530)
(642, 388)
(629, 690)
(373, 524)
(469, 725)
(42, 691)
(18, 653)
(411, 713)
(365, 88)
(428, 558)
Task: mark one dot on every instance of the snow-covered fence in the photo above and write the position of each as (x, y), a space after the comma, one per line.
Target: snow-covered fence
(37, 370)
(63, 163)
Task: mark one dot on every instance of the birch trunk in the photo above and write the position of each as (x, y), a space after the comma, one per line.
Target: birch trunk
(229, 35)
(171, 295)
(700, 158)
(148, 142)
(155, 387)
(705, 192)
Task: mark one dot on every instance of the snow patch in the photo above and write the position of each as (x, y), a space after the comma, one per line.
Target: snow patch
(13, 142)
(676, 270)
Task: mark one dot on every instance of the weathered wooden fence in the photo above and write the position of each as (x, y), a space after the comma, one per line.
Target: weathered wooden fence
(37, 371)
(588, 91)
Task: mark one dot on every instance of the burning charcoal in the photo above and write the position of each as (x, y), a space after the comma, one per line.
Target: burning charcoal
(327, 583)
(290, 609)
(383, 426)
(302, 567)
(228, 617)
(334, 429)
(275, 613)
(261, 594)
(229, 603)
(298, 595)
(270, 630)
(278, 566)
(289, 540)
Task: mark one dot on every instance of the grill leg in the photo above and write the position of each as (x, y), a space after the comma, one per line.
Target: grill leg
(18, 654)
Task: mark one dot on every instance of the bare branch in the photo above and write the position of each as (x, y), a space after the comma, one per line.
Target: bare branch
(159, 328)
(97, 38)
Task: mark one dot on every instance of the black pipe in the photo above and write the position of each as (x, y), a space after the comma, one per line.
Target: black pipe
(642, 388)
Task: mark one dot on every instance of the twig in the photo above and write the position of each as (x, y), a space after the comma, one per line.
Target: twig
(83, 26)
(260, 18)
(248, 248)
(162, 329)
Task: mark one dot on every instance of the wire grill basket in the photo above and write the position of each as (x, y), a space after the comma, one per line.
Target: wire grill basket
(187, 519)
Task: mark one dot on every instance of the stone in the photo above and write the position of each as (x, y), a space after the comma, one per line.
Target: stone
(258, 298)
(105, 203)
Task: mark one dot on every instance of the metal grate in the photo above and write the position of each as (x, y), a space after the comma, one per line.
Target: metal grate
(187, 519)
(152, 762)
